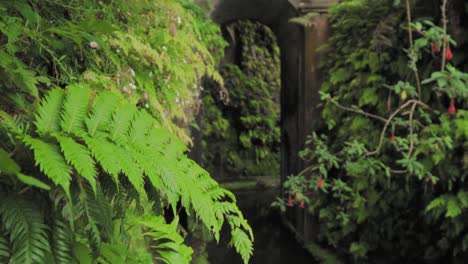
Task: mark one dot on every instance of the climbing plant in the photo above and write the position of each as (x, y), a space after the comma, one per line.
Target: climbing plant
(95, 102)
(386, 172)
(241, 133)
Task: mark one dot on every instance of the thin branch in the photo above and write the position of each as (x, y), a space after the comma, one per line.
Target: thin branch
(389, 120)
(443, 8)
(361, 112)
(411, 148)
(410, 36)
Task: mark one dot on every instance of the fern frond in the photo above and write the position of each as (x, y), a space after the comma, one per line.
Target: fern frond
(61, 242)
(79, 157)
(242, 244)
(99, 214)
(104, 106)
(130, 167)
(75, 108)
(102, 151)
(4, 247)
(25, 226)
(139, 129)
(121, 121)
(47, 118)
(51, 161)
(168, 243)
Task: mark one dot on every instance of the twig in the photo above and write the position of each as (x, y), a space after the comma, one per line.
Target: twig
(389, 120)
(410, 35)
(410, 150)
(443, 9)
(361, 112)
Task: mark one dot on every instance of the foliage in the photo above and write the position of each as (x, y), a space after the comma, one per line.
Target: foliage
(241, 136)
(389, 179)
(94, 108)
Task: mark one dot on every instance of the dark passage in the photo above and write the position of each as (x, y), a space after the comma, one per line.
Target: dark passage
(273, 243)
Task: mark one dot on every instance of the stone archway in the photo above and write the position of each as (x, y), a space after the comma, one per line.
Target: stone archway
(300, 75)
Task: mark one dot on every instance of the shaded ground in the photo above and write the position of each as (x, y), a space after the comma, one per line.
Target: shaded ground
(273, 243)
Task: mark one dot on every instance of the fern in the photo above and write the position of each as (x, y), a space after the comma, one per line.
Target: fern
(131, 145)
(50, 161)
(48, 114)
(61, 242)
(24, 224)
(79, 157)
(4, 247)
(74, 109)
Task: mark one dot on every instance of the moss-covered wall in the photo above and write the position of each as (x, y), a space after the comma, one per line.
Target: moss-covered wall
(241, 133)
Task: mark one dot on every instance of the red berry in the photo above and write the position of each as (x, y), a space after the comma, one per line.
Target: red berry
(320, 182)
(448, 54)
(302, 204)
(290, 202)
(435, 47)
(452, 110)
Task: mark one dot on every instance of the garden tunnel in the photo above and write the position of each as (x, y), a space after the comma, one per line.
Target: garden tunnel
(300, 74)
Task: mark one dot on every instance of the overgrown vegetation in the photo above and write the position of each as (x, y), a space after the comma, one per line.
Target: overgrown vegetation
(241, 133)
(95, 102)
(387, 171)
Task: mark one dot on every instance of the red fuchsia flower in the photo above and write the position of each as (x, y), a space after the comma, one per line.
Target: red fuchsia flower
(320, 183)
(435, 47)
(302, 204)
(452, 110)
(290, 202)
(448, 54)
(392, 137)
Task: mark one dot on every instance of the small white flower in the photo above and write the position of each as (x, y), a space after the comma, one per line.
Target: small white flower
(179, 20)
(146, 105)
(132, 72)
(133, 86)
(164, 48)
(93, 44)
(177, 100)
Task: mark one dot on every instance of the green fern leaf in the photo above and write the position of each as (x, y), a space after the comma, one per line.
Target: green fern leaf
(4, 248)
(51, 162)
(121, 121)
(61, 242)
(7, 164)
(139, 129)
(102, 151)
(130, 167)
(101, 115)
(75, 108)
(242, 244)
(79, 157)
(48, 114)
(25, 225)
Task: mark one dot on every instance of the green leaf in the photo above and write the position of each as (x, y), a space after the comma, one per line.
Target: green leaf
(51, 161)
(7, 164)
(80, 158)
(75, 108)
(32, 181)
(47, 117)
(28, 233)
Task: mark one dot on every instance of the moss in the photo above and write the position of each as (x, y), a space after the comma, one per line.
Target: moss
(242, 137)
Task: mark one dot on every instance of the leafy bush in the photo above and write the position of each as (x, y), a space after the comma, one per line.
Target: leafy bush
(95, 102)
(387, 183)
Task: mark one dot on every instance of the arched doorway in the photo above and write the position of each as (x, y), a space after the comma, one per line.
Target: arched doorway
(300, 75)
